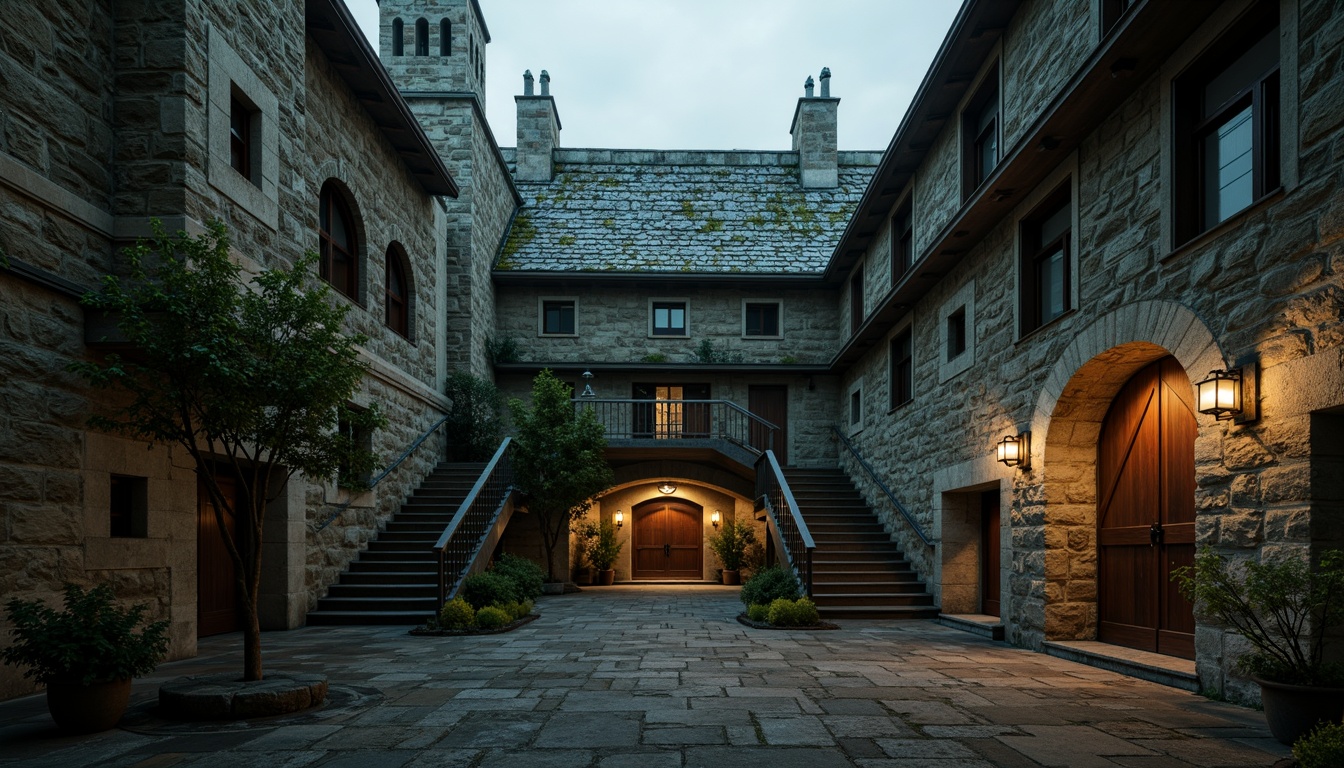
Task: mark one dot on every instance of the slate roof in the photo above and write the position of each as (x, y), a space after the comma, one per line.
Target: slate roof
(681, 211)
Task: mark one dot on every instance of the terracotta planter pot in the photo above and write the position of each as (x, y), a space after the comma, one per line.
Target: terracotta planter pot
(606, 577)
(78, 708)
(1293, 710)
(731, 578)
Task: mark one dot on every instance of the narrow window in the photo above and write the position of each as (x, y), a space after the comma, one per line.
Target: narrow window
(902, 241)
(557, 317)
(398, 37)
(240, 137)
(128, 507)
(980, 131)
(956, 333)
(1227, 126)
(338, 265)
(1047, 287)
(761, 319)
(445, 38)
(856, 408)
(398, 314)
(669, 318)
(856, 314)
(421, 37)
(902, 369)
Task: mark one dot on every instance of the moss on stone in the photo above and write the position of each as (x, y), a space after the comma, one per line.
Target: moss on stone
(687, 209)
(712, 224)
(568, 240)
(522, 233)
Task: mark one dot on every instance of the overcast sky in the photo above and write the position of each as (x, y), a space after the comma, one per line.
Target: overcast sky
(705, 74)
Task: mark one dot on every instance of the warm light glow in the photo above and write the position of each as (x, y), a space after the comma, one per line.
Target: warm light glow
(714, 519)
(1220, 394)
(1015, 451)
(620, 518)
(667, 487)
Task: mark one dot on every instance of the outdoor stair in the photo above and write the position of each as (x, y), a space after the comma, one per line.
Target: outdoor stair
(858, 572)
(395, 580)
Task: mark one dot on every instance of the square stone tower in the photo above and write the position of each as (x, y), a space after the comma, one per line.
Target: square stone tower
(434, 46)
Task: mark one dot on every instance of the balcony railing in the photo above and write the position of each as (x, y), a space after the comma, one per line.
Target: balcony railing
(787, 529)
(631, 419)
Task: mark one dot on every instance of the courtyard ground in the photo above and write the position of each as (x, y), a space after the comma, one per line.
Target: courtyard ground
(664, 677)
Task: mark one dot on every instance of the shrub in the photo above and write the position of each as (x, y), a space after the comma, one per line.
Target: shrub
(475, 419)
(491, 617)
(486, 589)
(780, 612)
(457, 614)
(730, 543)
(604, 547)
(758, 612)
(526, 576)
(1322, 748)
(519, 610)
(805, 612)
(771, 584)
(793, 613)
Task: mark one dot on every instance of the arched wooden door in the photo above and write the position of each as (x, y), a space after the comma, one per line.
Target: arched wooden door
(1146, 512)
(667, 540)
(216, 587)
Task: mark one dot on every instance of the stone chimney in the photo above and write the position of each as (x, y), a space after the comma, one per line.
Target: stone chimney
(538, 130)
(814, 135)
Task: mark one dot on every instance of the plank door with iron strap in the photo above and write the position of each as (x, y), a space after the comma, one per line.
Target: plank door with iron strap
(667, 540)
(1146, 512)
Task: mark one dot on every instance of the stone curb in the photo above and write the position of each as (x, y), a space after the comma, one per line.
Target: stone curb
(425, 632)
(224, 697)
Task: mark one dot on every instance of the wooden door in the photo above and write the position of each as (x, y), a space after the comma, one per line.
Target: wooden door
(772, 404)
(1146, 512)
(667, 540)
(216, 586)
(989, 553)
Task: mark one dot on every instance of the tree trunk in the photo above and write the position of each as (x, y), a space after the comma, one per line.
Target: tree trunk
(548, 539)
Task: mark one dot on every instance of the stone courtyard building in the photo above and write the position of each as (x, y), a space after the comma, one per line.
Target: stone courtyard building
(1088, 207)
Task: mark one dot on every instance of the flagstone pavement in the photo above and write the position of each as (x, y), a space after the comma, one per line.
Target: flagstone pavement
(664, 677)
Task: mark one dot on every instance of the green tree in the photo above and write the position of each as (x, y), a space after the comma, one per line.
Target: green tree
(474, 418)
(251, 377)
(558, 460)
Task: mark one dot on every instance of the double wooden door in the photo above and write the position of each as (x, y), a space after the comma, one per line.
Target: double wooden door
(216, 583)
(1146, 512)
(667, 540)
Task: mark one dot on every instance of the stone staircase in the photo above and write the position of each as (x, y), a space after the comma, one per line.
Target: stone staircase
(395, 580)
(858, 572)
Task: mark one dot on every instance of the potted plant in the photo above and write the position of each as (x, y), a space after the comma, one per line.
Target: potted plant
(730, 544)
(583, 570)
(85, 654)
(1286, 609)
(603, 549)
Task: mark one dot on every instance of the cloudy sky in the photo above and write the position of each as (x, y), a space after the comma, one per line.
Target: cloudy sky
(705, 74)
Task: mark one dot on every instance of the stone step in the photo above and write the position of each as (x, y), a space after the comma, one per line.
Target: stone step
(890, 586)
(343, 617)
(407, 589)
(884, 612)
(859, 576)
(423, 565)
(424, 605)
(360, 577)
(873, 599)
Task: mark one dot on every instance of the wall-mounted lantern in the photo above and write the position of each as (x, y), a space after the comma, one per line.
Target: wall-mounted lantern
(1220, 395)
(1015, 451)
(666, 487)
(620, 519)
(715, 518)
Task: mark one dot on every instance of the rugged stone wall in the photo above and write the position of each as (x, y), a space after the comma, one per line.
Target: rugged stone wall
(1045, 42)
(1264, 286)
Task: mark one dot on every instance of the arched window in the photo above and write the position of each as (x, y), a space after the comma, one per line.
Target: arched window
(398, 37)
(421, 37)
(398, 292)
(339, 263)
(445, 38)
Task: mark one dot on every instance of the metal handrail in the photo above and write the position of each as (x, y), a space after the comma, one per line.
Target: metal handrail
(461, 538)
(883, 486)
(634, 418)
(785, 517)
(406, 454)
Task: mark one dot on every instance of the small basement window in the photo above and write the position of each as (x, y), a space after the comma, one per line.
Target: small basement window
(128, 507)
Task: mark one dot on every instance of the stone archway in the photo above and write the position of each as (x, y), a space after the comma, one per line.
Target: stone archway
(1069, 413)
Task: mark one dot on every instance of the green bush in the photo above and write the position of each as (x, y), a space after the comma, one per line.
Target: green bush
(793, 613)
(491, 617)
(770, 584)
(526, 576)
(758, 612)
(517, 610)
(475, 418)
(457, 614)
(486, 589)
(1322, 748)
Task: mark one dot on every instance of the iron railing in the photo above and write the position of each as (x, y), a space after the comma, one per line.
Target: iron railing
(633, 419)
(458, 545)
(406, 454)
(784, 518)
(910, 520)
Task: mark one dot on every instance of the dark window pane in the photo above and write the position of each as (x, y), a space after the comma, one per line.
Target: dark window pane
(669, 319)
(902, 369)
(558, 317)
(956, 333)
(762, 319)
(1051, 285)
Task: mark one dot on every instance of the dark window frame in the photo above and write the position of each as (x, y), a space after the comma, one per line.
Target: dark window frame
(669, 329)
(956, 333)
(902, 240)
(1196, 122)
(242, 144)
(397, 312)
(128, 507)
(332, 204)
(571, 304)
(445, 37)
(902, 364)
(398, 37)
(856, 408)
(981, 123)
(761, 330)
(1113, 12)
(857, 313)
(1037, 250)
(422, 37)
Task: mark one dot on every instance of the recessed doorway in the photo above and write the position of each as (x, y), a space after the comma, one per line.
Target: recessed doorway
(667, 539)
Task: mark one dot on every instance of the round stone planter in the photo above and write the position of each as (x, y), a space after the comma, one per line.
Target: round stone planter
(225, 697)
(79, 708)
(1293, 710)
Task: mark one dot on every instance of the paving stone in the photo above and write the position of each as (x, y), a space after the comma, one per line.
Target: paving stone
(1071, 746)
(939, 749)
(589, 731)
(866, 726)
(795, 731)
(685, 735)
(641, 760)
(537, 758)
(764, 757)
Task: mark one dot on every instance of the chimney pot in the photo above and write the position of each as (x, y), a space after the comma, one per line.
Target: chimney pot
(545, 83)
(825, 82)
(527, 82)
(538, 131)
(807, 87)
